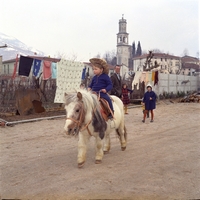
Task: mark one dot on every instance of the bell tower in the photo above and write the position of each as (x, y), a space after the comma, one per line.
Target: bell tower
(123, 48)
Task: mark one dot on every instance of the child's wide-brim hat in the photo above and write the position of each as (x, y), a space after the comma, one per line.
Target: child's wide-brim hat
(102, 63)
(149, 85)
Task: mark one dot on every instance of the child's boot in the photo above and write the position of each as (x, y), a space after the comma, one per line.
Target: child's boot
(125, 109)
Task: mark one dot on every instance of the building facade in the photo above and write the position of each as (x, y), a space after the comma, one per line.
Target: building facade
(190, 65)
(165, 63)
(7, 67)
(1, 65)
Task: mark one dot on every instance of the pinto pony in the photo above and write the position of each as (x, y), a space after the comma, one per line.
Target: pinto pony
(84, 118)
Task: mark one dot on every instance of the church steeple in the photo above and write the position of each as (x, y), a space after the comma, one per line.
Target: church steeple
(122, 36)
(123, 48)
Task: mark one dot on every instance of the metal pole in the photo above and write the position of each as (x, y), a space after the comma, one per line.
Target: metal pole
(32, 120)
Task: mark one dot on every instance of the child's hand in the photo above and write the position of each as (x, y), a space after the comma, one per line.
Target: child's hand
(103, 90)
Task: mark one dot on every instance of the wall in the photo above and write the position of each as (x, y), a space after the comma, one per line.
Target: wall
(169, 83)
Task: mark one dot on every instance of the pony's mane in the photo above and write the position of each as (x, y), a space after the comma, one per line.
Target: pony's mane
(89, 99)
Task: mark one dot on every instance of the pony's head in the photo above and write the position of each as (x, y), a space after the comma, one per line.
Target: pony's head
(83, 110)
(78, 108)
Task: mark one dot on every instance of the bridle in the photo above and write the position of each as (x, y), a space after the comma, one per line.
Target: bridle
(80, 120)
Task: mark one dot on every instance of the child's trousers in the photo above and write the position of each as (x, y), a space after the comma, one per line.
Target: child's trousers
(108, 99)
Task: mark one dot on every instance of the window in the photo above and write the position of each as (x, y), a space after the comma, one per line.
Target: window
(177, 64)
(161, 59)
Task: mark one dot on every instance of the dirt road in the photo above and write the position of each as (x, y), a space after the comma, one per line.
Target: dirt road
(162, 159)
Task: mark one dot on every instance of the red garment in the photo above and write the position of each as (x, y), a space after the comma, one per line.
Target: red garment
(46, 69)
(15, 67)
(156, 78)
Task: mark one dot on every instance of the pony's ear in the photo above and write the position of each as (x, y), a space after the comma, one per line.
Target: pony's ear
(79, 95)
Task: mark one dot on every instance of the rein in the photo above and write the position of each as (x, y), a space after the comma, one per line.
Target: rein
(78, 122)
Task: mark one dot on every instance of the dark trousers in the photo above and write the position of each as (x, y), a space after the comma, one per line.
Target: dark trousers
(107, 98)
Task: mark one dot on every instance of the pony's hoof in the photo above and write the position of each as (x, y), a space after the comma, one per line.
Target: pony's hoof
(123, 148)
(98, 161)
(81, 164)
(105, 152)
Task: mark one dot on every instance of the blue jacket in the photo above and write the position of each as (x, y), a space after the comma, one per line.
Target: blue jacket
(149, 104)
(102, 81)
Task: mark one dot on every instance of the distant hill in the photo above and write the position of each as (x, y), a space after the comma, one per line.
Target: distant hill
(14, 47)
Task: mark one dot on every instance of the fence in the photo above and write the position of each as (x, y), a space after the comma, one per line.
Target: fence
(9, 86)
(168, 85)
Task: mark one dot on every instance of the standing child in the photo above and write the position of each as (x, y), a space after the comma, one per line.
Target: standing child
(125, 97)
(101, 82)
(150, 102)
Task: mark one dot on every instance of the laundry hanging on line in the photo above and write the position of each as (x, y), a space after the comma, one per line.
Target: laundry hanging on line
(46, 69)
(36, 67)
(25, 64)
(15, 67)
(53, 70)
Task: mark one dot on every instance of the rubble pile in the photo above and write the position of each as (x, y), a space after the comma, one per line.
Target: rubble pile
(191, 98)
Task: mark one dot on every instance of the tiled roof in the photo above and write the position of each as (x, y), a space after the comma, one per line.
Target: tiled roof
(190, 65)
(157, 55)
(35, 57)
(189, 59)
(9, 61)
(45, 58)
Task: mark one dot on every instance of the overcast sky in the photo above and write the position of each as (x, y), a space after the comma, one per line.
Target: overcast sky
(87, 27)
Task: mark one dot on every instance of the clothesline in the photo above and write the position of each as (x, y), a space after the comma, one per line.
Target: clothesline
(147, 77)
(38, 66)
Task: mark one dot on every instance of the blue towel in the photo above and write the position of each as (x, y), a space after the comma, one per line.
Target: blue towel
(83, 73)
(54, 70)
(36, 67)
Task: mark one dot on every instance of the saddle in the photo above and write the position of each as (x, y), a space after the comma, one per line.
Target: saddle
(105, 109)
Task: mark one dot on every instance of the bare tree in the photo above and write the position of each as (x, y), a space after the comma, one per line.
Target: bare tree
(73, 56)
(110, 57)
(157, 50)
